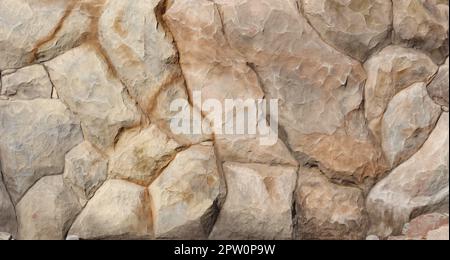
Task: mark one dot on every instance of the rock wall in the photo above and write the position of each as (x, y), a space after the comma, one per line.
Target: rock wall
(87, 151)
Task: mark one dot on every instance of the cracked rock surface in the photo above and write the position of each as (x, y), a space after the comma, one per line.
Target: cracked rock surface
(87, 142)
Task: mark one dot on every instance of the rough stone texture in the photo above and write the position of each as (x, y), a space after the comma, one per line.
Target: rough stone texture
(85, 171)
(36, 135)
(389, 72)
(258, 203)
(421, 226)
(268, 45)
(187, 194)
(140, 51)
(438, 89)
(328, 211)
(47, 210)
(85, 83)
(141, 155)
(28, 83)
(119, 210)
(355, 27)
(441, 233)
(23, 26)
(88, 91)
(423, 24)
(8, 222)
(418, 186)
(409, 119)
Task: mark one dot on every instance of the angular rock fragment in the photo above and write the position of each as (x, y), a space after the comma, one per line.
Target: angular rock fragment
(328, 211)
(409, 119)
(85, 171)
(186, 195)
(416, 187)
(24, 25)
(119, 210)
(84, 82)
(438, 88)
(140, 50)
(258, 204)
(141, 155)
(28, 83)
(35, 137)
(389, 72)
(423, 24)
(355, 27)
(47, 211)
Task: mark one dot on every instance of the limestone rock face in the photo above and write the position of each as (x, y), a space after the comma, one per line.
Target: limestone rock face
(258, 203)
(28, 83)
(85, 171)
(389, 72)
(119, 210)
(438, 88)
(328, 211)
(23, 26)
(8, 222)
(140, 51)
(418, 186)
(84, 82)
(407, 123)
(141, 155)
(224, 119)
(35, 136)
(355, 27)
(187, 194)
(423, 24)
(47, 210)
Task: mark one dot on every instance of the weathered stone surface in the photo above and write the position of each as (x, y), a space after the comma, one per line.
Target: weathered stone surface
(258, 204)
(248, 149)
(140, 51)
(75, 27)
(441, 233)
(423, 24)
(28, 83)
(186, 195)
(8, 222)
(269, 44)
(421, 226)
(389, 72)
(47, 210)
(85, 171)
(119, 210)
(328, 211)
(23, 26)
(141, 155)
(35, 136)
(85, 83)
(355, 27)
(418, 186)
(438, 88)
(409, 119)
(163, 113)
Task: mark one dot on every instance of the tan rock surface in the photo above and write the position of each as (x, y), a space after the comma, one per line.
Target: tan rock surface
(119, 210)
(419, 185)
(186, 195)
(258, 203)
(328, 211)
(35, 136)
(355, 27)
(47, 211)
